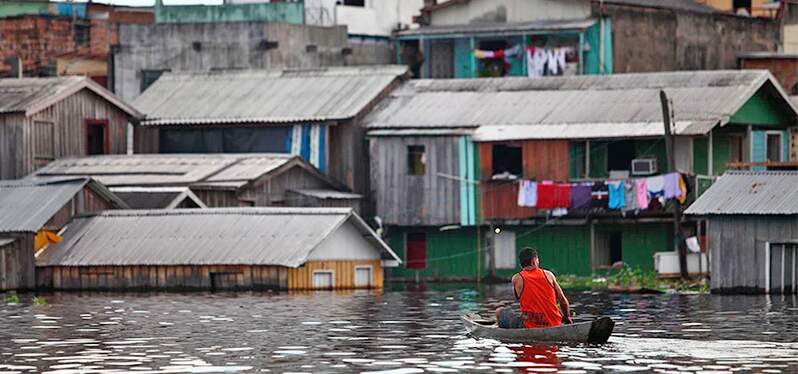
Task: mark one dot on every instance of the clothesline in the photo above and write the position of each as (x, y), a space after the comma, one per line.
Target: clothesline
(623, 194)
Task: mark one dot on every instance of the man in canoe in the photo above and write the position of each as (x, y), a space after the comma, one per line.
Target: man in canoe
(538, 294)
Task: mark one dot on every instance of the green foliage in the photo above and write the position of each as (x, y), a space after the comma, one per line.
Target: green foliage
(12, 298)
(631, 278)
(39, 300)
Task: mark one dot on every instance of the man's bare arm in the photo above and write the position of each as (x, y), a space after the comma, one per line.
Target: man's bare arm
(565, 306)
(518, 285)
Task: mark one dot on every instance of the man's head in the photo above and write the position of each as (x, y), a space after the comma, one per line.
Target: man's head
(528, 257)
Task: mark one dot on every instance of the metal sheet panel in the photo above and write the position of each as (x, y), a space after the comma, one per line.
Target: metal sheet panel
(280, 96)
(328, 194)
(750, 192)
(601, 106)
(26, 205)
(498, 28)
(221, 236)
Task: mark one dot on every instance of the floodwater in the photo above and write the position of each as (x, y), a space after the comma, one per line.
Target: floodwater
(402, 331)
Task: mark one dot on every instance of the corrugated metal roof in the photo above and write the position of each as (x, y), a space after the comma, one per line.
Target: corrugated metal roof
(26, 206)
(686, 5)
(267, 96)
(156, 197)
(6, 241)
(750, 192)
(499, 28)
(169, 169)
(328, 194)
(602, 106)
(220, 236)
(31, 95)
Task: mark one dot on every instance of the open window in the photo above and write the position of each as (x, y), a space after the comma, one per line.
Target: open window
(416, 160)
(609, 249)
(360, 3)
(507, 160)
(773, 147)
(620, 155)
(493, 67)
(736, 152)
(97, 141)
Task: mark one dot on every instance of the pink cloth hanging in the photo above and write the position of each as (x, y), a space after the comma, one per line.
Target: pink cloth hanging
(642, 193)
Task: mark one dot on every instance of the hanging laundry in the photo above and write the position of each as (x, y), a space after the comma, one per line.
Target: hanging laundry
(671, 185)
(532, 63)
(559, 212)
(683, 188)
(528, 194)
(629, 196)
(641, 190)
(581, 197)
(600, 195)
(562, 196)
(655, 186)
(616, 189)
(546, 195)
(513, 52)
(551, 63)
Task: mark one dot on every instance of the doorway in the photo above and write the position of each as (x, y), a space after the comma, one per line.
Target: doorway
(97, 137)
(781, 268)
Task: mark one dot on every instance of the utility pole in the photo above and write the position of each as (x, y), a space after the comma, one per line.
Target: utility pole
(677, 206)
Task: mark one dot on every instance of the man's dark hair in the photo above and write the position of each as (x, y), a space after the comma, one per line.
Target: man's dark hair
(527, 255)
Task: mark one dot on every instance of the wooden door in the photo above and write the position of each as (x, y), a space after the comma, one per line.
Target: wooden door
(416, 254)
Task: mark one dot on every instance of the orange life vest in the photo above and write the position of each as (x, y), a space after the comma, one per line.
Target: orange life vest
(538, 301)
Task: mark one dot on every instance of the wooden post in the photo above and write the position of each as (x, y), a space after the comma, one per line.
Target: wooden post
(677, 206)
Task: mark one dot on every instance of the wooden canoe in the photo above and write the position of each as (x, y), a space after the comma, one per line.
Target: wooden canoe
(596, 332)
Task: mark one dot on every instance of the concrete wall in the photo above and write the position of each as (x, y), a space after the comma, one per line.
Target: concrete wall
(648, 39)
(273, 12)
(237, 45)
(510, 11)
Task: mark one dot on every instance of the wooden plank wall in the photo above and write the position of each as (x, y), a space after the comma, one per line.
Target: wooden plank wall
(344, 274)
(297, 200)
(17, 264)
(93, 202)
(407, 200)
(146, 139)
(11, 154)
(217, 198)
(160, 277)
(542, 160)
(268, 191)
(737, 249)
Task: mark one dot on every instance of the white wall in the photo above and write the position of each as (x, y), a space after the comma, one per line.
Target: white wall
(347, 243)
(510, 11)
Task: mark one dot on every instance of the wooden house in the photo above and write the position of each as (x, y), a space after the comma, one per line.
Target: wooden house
(158, 197)
(752, 221)
(217, 180)
(314, 113)
(45, 119)
(217, 248)
(447, 156)
(34, 211)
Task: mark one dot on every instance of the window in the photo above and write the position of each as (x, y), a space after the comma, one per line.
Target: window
(363, 276)
(773, 150)
(416, 160)
(609, 248)
(620, 155)
(82, 34)
(493, 67)
(226, 140)
(323, 280)
(44, 141)
(577, 160)
(742, 5)
(360, 3)
(148, 77)
(736, 153)
(416, 251)
(504, 250)
(507, 159)
(97, 137)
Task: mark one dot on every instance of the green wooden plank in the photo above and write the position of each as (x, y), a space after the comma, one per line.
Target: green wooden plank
(598, 159)
(701, 155)
(763, 109)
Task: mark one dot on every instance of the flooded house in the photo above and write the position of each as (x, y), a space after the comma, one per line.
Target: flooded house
(215, 180)
(45, 119)
(32, 215)
(752, 220)
(313, 113)
(451, 158)
(216, 249)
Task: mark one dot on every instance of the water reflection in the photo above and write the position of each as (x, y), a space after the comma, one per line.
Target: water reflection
(398, 331)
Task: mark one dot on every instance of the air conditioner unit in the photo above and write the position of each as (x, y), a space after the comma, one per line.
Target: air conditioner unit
(644, 166)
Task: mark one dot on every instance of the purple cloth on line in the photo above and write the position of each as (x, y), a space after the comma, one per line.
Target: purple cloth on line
(581, 197)
(672, 186)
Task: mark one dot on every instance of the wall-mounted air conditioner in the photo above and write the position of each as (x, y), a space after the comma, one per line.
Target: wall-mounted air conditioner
(644, 166)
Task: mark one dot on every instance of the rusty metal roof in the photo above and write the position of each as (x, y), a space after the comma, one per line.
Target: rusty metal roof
(31, 95)
(750, 192)
(265, 96)
(218, 236)
(618, 105)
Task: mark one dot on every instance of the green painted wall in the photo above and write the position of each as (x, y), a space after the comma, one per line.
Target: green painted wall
(700, 155)
(576, 159)
(598, 159)
(562, 249)
(641, 241)
(592, 63)
(18, 8)
(763, 110)
(462, 58)
(449, 253)
(720, 153)
(655, 148)
(273, 12)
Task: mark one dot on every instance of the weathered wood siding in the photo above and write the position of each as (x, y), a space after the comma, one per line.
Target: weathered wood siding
(343, 274)
(737, 249)
(66, 136)
(298, 200)
(146, 140)
(217, 198)
(11, 154)
(17, 263)
(217, 277)
(403, 199)
(542, 160)
(87, 202)
(272, 191)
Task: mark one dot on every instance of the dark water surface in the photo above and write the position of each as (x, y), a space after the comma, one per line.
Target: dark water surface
(403, 331)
